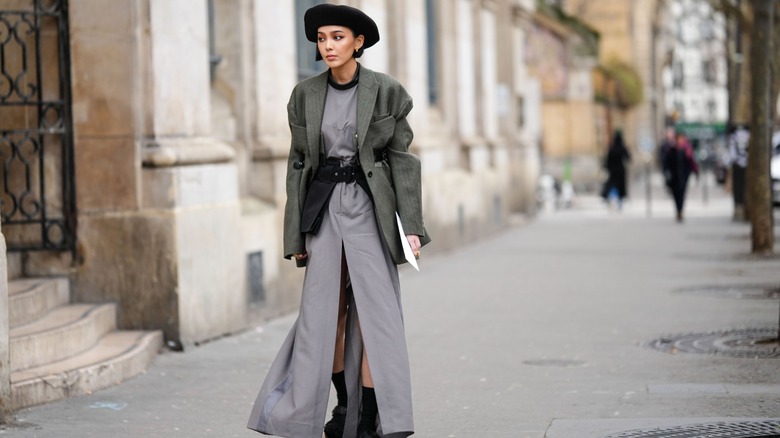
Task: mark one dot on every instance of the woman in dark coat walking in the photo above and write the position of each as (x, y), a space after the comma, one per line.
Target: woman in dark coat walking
(350, 181)
(615, 163)
(678, 166)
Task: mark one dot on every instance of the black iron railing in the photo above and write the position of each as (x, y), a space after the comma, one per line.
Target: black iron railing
(37, 190)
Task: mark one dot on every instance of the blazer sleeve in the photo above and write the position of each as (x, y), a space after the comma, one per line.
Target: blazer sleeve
(406, 170)
(294, 242)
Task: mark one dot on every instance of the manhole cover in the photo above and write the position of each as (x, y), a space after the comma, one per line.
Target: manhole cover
(738, 291)
(744, 343)
(563, 363)
(709, 430)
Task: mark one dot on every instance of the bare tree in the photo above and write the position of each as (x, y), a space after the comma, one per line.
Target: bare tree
(759, 190)
(775, 66)
(739, 19)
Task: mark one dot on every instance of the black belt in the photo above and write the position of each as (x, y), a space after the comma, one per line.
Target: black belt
(328, 175)
(339, 174)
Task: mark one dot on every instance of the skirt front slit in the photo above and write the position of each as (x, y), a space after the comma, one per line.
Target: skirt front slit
(293, 399)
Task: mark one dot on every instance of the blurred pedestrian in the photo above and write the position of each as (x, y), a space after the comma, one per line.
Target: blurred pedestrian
(615, 163)
(679, 163)
(350, 175)
(739, 141)
(670, 138)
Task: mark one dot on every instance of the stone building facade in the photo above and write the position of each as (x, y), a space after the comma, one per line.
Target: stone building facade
(630, 33)
(562, 52)
(172, 116)
(694, 81)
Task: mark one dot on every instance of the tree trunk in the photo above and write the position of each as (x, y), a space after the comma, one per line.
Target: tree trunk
(775, 66)
(732, 31)
(743, 104)
(742, 108)
(758, 183)
(738, 16)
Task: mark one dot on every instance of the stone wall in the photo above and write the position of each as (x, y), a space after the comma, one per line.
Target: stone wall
(626, 30)
(159, 210)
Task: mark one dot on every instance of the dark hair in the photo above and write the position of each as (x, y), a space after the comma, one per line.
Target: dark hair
(359, 52)
(617, 139)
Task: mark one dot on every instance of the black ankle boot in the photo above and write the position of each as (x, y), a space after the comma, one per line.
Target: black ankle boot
(368, 412)
(335, 427)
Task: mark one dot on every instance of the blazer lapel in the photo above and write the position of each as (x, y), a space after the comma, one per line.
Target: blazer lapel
(366, 99)
(315, 106)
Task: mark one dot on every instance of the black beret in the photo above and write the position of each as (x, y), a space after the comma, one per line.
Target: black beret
(340, 15)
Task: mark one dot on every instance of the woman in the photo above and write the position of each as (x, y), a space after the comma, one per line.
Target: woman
(615, 163)
(678, 165)
(349, 173)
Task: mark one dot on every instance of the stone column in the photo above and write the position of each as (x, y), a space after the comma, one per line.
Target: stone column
(191, 178)
(5, 366)
(466, 82)
(508, 64)
(415, 74)
(378, 57)
(275, 75)
(526, 158)
(471, 95)
(448, 67)
(489, 74)
(159, 215)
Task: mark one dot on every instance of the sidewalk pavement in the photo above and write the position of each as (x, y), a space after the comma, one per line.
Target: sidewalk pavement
(536, 332)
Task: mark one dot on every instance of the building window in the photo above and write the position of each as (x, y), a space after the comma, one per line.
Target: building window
(709, 71)
(306, 50)
(433, 43)
(712, 109)
(678, 75)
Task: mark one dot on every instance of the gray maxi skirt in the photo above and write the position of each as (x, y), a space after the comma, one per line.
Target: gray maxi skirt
(293, 399)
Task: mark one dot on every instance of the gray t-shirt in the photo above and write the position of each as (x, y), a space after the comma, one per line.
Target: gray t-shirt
(339, 123)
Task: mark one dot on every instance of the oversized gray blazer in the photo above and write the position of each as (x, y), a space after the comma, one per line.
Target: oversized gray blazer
(382, 106)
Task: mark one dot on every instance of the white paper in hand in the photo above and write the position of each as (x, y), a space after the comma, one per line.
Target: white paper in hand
(408, 254)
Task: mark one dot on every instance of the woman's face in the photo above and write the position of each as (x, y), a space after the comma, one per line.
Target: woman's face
(337, 44)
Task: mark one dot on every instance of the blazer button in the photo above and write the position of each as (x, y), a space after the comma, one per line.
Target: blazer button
(370, 174)
(298, 165)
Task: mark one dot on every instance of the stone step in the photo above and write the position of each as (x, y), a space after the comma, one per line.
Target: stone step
(118, 356)
(32, 298)
(62, 333)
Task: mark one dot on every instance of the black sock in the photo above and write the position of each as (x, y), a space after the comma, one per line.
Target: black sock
(340, 383)
(368, 411)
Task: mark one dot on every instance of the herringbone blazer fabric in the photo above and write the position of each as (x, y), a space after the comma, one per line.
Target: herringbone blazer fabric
(384, 135)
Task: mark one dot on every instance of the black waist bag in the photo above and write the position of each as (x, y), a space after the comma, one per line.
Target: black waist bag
(316, 202)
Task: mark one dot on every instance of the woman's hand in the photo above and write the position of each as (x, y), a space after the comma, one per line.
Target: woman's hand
(414, 242)
(301, 256)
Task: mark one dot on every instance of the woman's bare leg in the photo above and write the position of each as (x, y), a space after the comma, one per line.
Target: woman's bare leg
(365, 371)
(338, 357)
